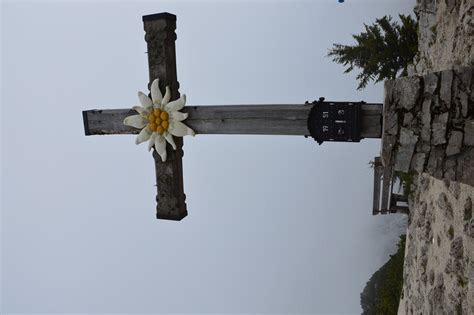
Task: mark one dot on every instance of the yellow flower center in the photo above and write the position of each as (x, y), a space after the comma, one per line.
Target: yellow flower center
(158, 121)
(151, 117)
(164, 115)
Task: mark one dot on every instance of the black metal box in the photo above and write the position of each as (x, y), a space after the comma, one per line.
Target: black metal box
(335, 121)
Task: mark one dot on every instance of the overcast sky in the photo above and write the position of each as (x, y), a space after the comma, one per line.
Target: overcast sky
(275, 224)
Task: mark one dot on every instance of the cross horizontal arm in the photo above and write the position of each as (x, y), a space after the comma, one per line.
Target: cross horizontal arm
(232, 119)
(249, 119)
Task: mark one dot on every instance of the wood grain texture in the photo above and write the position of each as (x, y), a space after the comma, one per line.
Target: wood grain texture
(386, 191)
(107, 122)
(378, 170)
(289, 119)
(160, 37)
(371, 126)
(249, 119)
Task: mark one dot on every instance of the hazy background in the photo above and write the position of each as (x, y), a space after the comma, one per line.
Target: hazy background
(275, 224)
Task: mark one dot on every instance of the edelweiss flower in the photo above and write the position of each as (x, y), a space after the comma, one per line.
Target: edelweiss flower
(160, 120)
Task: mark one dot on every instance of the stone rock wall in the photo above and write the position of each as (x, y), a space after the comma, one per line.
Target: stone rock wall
(429, 124)
(439, 255)
(445, 35)
(430, 130)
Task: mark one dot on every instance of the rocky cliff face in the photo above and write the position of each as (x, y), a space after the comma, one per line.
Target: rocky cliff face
(445, 34)
(439, 253)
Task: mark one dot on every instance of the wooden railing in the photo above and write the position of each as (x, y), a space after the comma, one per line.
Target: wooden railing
(385, 201)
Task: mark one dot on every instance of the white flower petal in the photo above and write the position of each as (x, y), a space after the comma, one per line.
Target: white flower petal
(141, 110)
(169, 137)
(144, 135)
(179, 129)
(151, 143)
(156, 93)
(176, 105)
(160, 147)
(145, 100)
(136, 121)
(167, 97)
(178, 116)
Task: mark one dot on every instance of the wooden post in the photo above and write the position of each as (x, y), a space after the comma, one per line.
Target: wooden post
(386, 189)
(378, 169)
(160, 37)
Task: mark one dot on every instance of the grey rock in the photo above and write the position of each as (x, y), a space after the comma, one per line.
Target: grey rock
(436, 104)
(431, 83)
(408, 119)
(449, 163)
(424, 280)
(453, 266)
(424, 185)
(429, 218)
(388, 143)
(418, 162)
(465, 166)
(468, 208)
(455, 189)
(428, 230)
(417, 301)
(450, 174)
(390, 122)
(431, 277)
(454, 143)
(424, 251)
(422, 210)
(423, 147)
(450, 5)
(445, 181)
(469, 133)
(405, 151)
(445, 207)
(471, 94)
(426, 5)
(463, 101)
(465, 76)
(470, 273)
(407, 91)
(469, 228)
(439, 129)
(446, 86)
(436, 295)
(457, 249)
(426, 120)
(435, 162)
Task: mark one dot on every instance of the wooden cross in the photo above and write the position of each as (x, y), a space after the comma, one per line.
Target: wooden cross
(290, 119)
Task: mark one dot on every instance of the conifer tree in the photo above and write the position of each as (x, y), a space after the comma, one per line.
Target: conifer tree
(384, 50)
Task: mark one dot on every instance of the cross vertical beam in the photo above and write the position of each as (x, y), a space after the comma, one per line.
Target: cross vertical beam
(160, 37)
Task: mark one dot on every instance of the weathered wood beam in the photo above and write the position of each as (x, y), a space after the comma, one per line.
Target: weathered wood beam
(378, 170)
(249, 119)
(234, 119)
(160, 37)
(386, 189)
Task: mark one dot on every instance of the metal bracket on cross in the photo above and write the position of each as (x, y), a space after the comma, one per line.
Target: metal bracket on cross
(335, 121)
